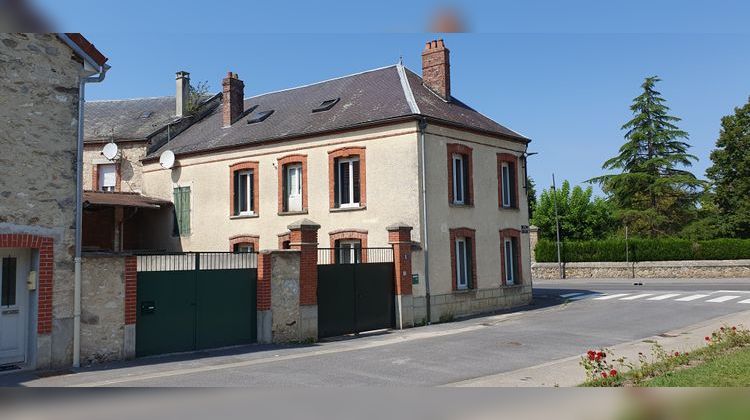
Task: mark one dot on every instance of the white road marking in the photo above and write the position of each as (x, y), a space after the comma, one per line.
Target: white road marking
(585, 296)
(662, 297)
(689, 298)
(722, 299)
(744, 301)
(637, 296)
(571, 295)
(607, 297)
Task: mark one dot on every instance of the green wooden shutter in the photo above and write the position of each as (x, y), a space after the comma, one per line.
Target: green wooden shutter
(182, 209)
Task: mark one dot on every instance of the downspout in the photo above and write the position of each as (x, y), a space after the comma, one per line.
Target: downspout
(102, 71)
(423, 168)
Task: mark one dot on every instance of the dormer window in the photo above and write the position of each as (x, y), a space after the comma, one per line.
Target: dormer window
(259, 116)
(326, 105)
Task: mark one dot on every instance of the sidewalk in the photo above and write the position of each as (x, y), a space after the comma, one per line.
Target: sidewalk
(567, 372)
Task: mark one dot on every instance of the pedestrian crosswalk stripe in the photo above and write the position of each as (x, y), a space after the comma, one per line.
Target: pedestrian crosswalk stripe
(722, 299)
(571, 295)
(584, 296)
(689, 298)
(607, 297)
(637, 296)
(744, 301)
(662, 297)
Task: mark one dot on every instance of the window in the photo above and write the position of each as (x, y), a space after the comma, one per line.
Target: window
(181, 211)
(510, 256)
(244, 243)
(293, 187)
(463, 264)
(243, 247)
(507, 165)
(8, 280)
(326, 105)
(460, 176)
(347, 182)
(348, 251)
(259, 116)
(346, 177)
(510, 265)
(243, 193)
(107, 177)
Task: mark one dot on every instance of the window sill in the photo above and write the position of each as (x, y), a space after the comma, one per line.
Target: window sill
(461, 205)
(509, 208)
(512, 286)
(291, 213)
(463, 291)
(244, 216)
(339, 209)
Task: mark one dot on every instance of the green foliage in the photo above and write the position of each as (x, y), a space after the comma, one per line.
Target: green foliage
(581, 216)
(531, 196)
(653, 194)
(644, 249)
(730, 174)
(196, 95)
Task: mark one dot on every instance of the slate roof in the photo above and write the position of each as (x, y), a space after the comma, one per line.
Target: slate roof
(131, 119)
(366, 98)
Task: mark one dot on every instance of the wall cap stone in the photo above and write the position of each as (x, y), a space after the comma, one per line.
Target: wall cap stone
(303, 224)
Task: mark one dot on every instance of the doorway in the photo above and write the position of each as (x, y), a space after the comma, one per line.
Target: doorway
(14, 305)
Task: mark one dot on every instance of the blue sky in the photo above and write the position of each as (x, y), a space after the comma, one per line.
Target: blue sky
(563, 75)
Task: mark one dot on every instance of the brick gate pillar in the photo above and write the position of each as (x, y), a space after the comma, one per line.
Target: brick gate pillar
(399, 236)
(303, 237)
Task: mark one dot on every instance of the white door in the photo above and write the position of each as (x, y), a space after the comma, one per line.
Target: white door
(294, 187)
(14, 302)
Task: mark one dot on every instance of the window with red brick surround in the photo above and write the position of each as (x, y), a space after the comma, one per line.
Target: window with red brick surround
(285, 241)
(344, 234)
(243, 240)
(282, 165)
(95, 177)
(466, 153)
(243, 166)
(469, 235)
(514, 234)
(343, 153)
(512, 161)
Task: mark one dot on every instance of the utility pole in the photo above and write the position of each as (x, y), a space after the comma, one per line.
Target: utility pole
(557, 225)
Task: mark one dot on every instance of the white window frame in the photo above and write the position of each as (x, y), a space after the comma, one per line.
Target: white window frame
(350, 167)
(458, 165)
(348, 247)
(462, 264)
(506, 187)
(510, 261)
(250, 211)
(101, 177)
(289, 168)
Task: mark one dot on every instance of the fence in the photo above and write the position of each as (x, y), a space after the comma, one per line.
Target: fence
(197, 261)
(355, 255)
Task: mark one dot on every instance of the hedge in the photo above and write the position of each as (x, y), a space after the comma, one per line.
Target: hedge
(666, 249)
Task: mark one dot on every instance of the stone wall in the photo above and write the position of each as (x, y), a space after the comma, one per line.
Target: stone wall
(285, 306)
(448, 306)
(131, 168)
(102, 309)
(649, 269)
(39, 116)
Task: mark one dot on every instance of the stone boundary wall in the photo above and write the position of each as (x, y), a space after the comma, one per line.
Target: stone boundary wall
(647, 269)
(447, 306)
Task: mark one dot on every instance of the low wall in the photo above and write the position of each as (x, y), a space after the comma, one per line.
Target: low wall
(471, 302)
(647, 269)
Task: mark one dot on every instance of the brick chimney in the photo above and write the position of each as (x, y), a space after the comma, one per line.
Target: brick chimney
(233, 90)
(436, 68)
(183, 89)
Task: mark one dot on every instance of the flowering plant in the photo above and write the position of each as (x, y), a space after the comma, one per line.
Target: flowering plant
(598, 367)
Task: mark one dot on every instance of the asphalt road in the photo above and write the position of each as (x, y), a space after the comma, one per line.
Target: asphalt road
(554, 327)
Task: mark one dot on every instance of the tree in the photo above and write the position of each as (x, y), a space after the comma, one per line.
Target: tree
(730, 174)
(531, 196)
(196, 95)
(581, 217)
(653, 192)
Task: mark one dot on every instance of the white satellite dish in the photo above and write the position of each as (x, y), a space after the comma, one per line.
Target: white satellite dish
(166, 160)
(110, 151)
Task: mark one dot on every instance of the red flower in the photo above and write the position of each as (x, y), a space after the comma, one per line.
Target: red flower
(604, 374)
(734, 328)
(707, 338)
(591, 354)
(722, 328)
(601, 355)
(613, 372)
(677, 353)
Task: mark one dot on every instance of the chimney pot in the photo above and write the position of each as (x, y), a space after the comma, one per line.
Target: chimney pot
(182, 80)
(436, 68)
(233, 98)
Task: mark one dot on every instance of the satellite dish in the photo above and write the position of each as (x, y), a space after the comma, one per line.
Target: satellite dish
(166, 160)
(110, 151)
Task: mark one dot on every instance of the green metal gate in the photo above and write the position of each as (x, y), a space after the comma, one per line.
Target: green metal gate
(355, 295)
(195, 301)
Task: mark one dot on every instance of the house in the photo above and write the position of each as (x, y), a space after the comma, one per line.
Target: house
(357, 154)
(41, 102)
(117, 216)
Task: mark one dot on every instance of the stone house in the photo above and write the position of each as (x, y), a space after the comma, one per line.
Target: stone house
(355, 155)
(41, 92)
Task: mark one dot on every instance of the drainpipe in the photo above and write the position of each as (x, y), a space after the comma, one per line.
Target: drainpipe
(422, 127)
(100, 71)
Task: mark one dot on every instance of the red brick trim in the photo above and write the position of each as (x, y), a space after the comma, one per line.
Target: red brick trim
(510, 233)
(513, 160)
(131, 289)
(463, 232)
(256, 177)
(45, 246)
(254, 240)
(284, 237)
(400, 240)
(305, 240)
(345, 152)
(336, 235)
(461, 149)
(286, 160)
(95, 177)
(263, 285)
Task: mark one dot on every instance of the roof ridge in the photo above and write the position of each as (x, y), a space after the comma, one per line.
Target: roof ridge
(128, 99)
(320, 82)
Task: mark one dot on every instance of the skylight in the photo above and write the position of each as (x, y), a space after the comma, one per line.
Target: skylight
(146, 115)
(259, 116)
(326, 105)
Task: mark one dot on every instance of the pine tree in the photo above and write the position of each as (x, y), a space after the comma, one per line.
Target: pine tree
(730, 174)
(653, 193)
